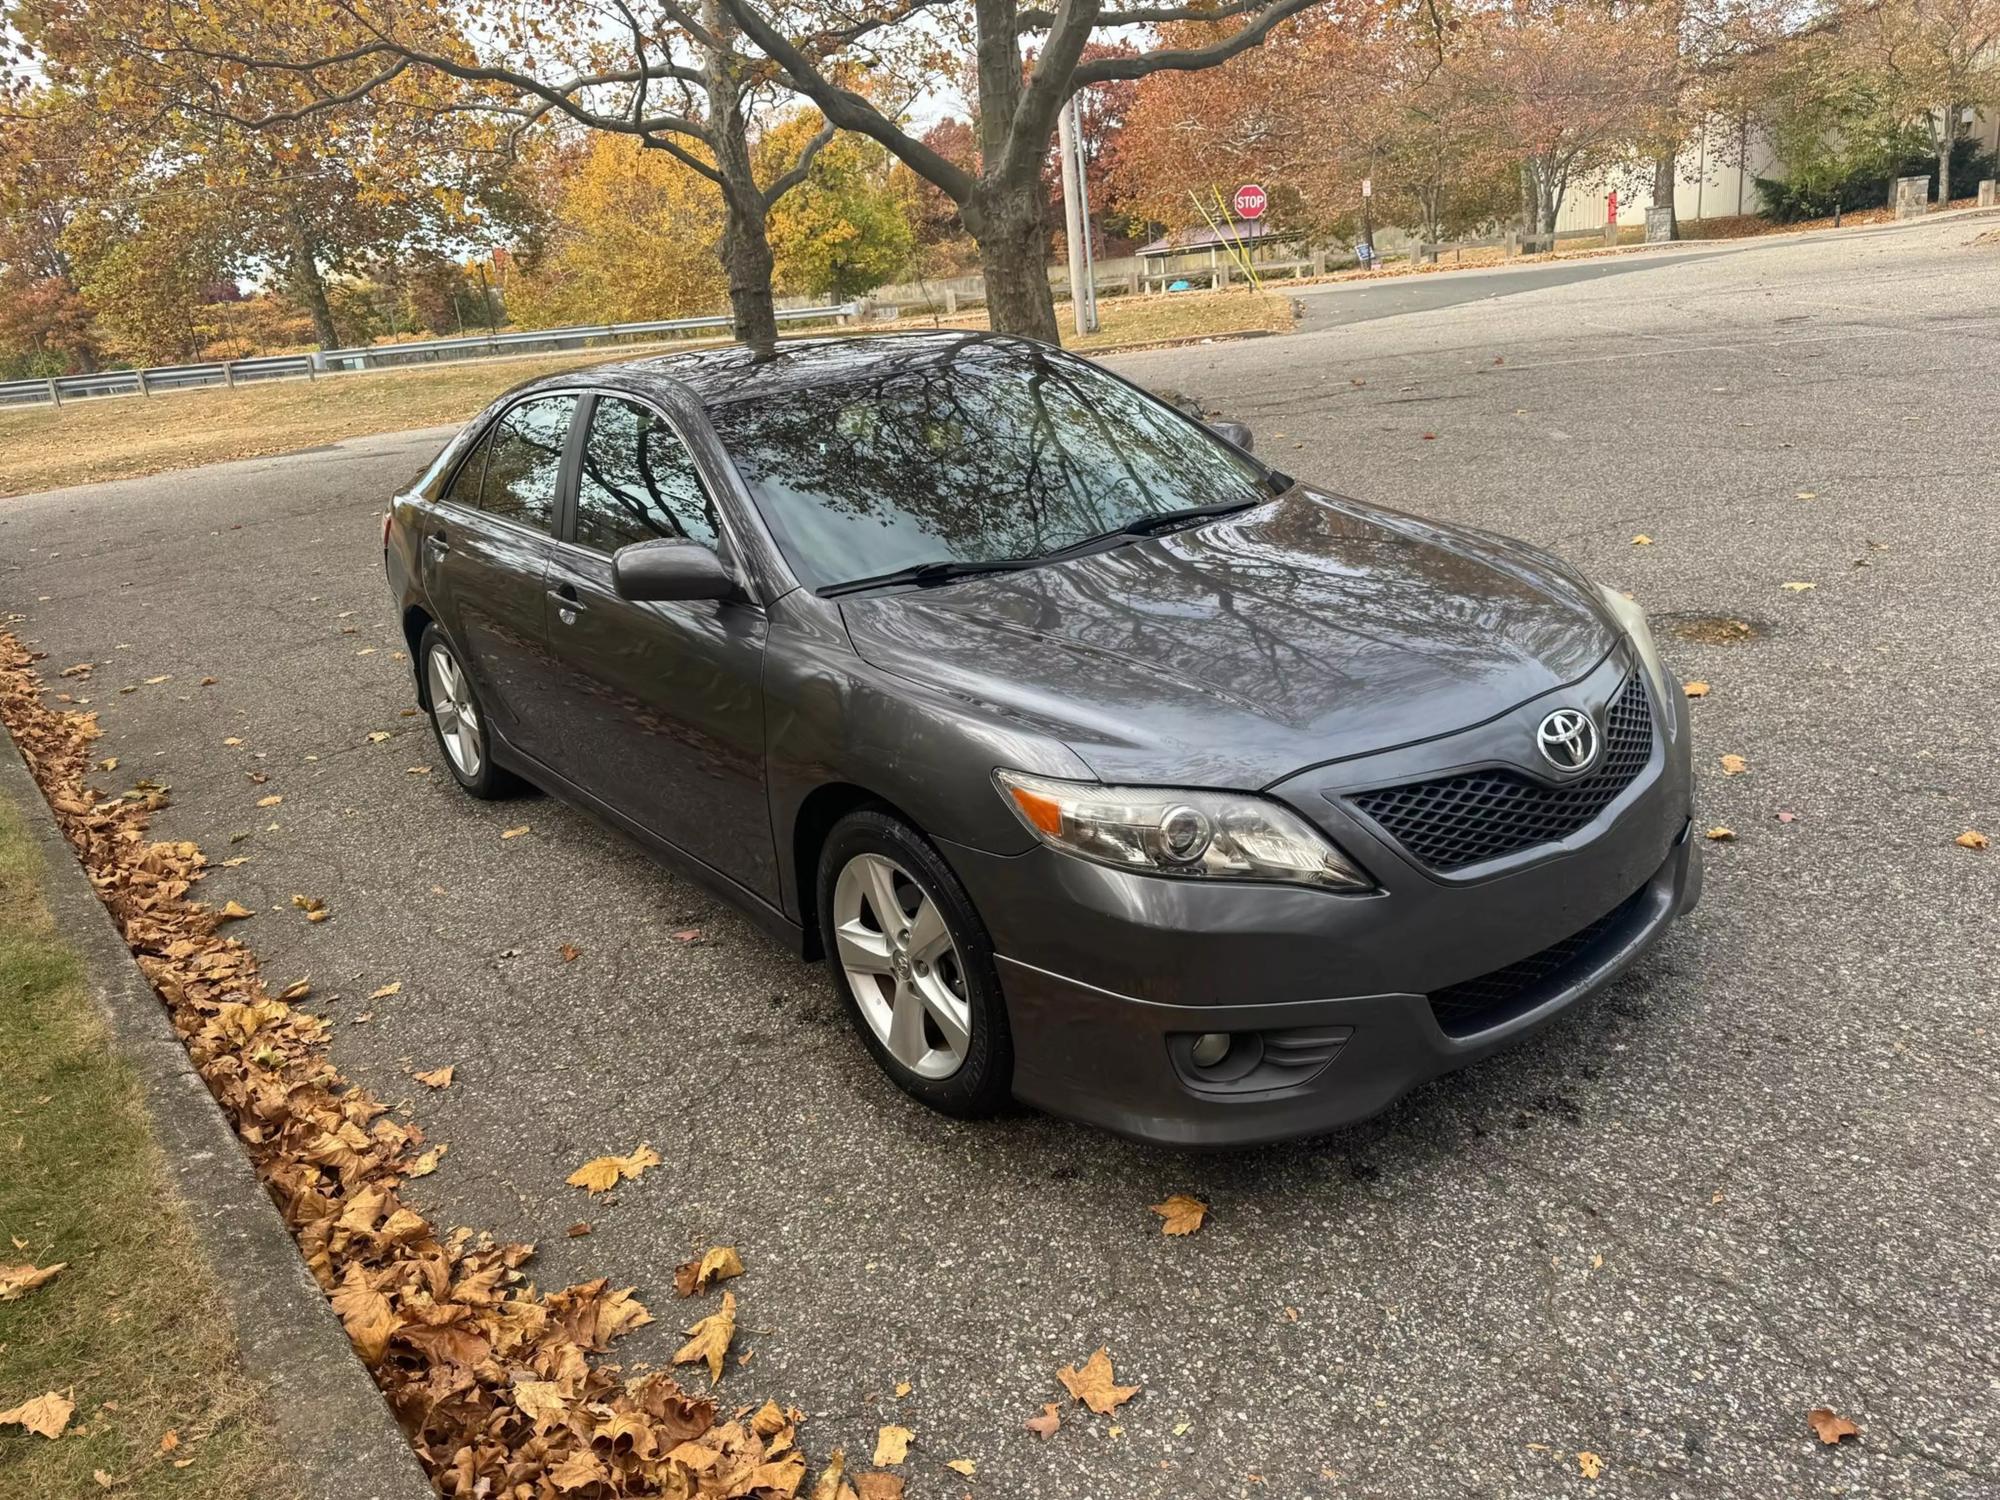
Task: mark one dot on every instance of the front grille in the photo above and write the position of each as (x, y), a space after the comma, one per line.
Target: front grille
(1456, 821)
(1476, 1004)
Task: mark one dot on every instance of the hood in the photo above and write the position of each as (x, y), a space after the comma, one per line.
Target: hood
(1238, 652)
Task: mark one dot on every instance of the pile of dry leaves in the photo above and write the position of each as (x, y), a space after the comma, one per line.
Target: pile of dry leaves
(492, 1380)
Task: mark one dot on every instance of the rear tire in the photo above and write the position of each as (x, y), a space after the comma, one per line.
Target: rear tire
(458, 719)
(911, 961)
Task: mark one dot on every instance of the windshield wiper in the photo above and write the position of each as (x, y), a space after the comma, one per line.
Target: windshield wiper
(1153, 525)
(924, 574)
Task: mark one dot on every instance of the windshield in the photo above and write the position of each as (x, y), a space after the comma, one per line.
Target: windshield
(982, 451)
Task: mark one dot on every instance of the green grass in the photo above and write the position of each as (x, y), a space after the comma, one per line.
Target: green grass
(133, 1331)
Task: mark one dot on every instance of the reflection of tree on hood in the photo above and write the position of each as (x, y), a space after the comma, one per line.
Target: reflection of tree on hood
(997, 446)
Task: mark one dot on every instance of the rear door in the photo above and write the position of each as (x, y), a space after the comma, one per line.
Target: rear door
(664, 701)
(486, 549)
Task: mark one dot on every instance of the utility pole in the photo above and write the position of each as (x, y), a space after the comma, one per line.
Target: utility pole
(1076, 216)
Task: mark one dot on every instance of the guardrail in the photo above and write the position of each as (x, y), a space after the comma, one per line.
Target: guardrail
(156, 379)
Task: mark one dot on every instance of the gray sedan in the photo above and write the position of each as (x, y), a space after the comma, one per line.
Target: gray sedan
(1111, 769)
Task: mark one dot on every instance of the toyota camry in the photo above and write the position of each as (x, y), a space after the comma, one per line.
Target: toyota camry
(1109, 768)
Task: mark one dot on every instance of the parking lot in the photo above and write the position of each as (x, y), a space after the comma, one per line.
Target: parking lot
(1756, 1177)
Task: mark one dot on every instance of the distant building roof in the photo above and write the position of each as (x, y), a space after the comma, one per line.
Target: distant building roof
(1244, 231)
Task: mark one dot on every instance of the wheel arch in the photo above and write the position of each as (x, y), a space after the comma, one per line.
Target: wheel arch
(415, 619)
(823, 807)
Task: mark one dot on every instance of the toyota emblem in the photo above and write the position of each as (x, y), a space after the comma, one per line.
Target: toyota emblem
(1568, 739)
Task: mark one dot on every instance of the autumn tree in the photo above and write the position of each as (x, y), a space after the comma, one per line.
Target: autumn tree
(1936, 60)
(841, 231)
(671, 75)
(999, 199)
(1569, 91)
(45, 323)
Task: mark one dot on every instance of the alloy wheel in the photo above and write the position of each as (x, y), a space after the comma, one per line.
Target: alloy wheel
(902, 965)
(453, 709)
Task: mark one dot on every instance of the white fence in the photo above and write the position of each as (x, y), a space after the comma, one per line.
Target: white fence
(233, 372)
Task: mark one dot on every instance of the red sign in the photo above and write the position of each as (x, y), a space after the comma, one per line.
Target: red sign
(1611, 207)
(1249, 201)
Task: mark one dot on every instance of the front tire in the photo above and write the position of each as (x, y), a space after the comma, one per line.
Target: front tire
(912, 962)
(459, 720)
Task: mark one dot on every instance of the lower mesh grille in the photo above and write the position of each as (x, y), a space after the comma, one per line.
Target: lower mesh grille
(1455, 821)
(1487, 1000)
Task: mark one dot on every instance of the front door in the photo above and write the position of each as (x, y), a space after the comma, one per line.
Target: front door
(486, 550)
(664, 701)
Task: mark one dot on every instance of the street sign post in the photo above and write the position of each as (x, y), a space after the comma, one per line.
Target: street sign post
(1250, 201)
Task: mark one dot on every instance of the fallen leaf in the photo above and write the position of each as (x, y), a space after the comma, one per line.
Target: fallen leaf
(366, 1314)
(579, 1229)
(708, 1340)
(1808, 494)
(271, 801)
(1642, 540)
(602, 1173)
(1696, 689)
(1734, 765)
(169, 1440)
(104, 1480)
(687, 935)
(719, 1264)
(45, 1415)
(233, 911)
(417, 771)
(1829, 1426)
(1046, 1424)
(1787, 817)
(964, 1466)
(541, 1401)
(1589, 1465)
(902, 1389)
(1183, 1215)
(109, 763)
(437, 1078)
(878, 1486)
(892, 1445)
(1722, 835)
(232, 740)
(208, 682)
(426, 1164)
(376, 736)
(513, 833)
(308, 904)
(570, 953)
(1972, 838)
(1800, 588)
(1093, 1385)
(156, 681)
(393, 987)
(18, 1281)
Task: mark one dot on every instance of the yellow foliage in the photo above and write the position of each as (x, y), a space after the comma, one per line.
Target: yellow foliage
(635, 238)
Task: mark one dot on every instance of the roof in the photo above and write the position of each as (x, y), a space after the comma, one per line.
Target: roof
(734, 372)
(1244, 231)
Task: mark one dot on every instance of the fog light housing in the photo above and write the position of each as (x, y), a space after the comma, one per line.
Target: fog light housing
(1209, 1049)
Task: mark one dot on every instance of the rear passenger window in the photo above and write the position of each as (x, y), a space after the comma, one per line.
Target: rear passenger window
(464, 486)
(525, 460)
(638, 481)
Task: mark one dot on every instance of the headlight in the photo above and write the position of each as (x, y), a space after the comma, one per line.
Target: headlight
(1632, 620)
(1169, 832)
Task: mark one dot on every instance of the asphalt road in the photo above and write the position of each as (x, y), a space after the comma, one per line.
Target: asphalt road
(1756, 1177)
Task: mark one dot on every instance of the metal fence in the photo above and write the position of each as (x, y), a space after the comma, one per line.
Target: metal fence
(234, 372)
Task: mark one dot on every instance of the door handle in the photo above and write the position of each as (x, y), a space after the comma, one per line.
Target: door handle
(568, 606)
(436, 544)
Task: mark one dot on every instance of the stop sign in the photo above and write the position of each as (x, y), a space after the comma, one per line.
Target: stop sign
(1249, 201)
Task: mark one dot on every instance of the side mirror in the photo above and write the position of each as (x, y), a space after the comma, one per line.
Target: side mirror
(671, 569)
(1233, 432)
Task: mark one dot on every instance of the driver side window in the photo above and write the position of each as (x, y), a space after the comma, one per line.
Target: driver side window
(638, 481)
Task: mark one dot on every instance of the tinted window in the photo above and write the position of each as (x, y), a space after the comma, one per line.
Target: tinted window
(638, 481)
(464, 486)
(525, 460)
(974, 452)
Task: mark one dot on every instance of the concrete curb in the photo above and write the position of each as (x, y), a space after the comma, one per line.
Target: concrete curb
(334, 1428)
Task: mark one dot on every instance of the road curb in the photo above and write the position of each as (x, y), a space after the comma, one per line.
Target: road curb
(334, 1428)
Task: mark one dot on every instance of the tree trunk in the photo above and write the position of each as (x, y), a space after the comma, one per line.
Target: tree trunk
(1944, 140)
(1014, 258)
(746, 254)
(1665, 173)
(309, 285)
(1530, 207)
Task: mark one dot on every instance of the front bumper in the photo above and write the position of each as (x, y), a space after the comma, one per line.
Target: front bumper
(1335, 1000)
